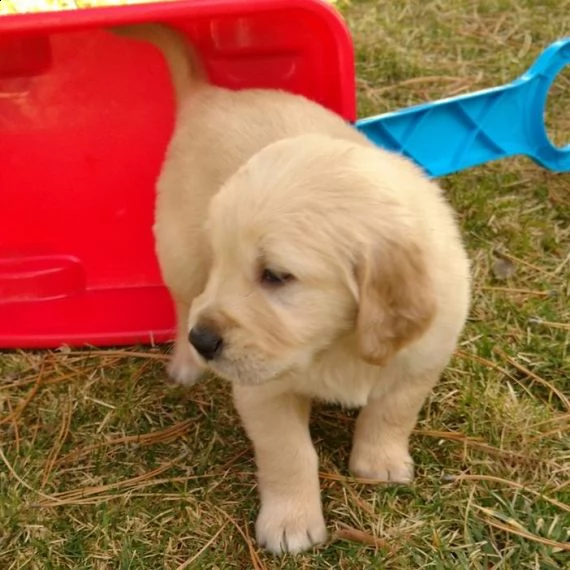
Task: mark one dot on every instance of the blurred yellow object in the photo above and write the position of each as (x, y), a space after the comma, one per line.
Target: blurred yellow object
(26, 6)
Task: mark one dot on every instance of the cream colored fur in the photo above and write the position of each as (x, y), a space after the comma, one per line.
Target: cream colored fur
(379, 293)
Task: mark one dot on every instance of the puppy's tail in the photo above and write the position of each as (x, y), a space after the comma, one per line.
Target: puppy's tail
(186, 70)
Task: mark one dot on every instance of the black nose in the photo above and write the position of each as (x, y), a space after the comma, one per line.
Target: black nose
(207, 342)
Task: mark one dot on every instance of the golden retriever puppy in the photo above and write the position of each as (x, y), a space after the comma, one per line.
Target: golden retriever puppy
(304, 263)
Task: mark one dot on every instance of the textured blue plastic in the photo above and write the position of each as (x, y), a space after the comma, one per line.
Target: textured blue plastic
(453, 134)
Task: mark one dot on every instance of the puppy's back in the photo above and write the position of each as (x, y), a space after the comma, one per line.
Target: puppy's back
(221, 129)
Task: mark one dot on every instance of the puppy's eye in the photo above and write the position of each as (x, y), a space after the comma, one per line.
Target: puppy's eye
(270, 277)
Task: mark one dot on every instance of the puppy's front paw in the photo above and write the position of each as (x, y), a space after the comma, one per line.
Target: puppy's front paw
(389, 464)
(290, 527)
(183, 368)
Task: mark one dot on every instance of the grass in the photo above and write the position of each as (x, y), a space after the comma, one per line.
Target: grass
(104, 465)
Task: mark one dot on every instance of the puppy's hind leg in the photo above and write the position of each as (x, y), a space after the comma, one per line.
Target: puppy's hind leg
(184, 367)
(184, 270)
(380, 444)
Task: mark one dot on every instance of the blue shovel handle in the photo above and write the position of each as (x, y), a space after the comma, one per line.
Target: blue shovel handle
(460, 132)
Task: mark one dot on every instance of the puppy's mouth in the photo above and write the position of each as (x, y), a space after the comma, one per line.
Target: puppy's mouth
(244, 373)
(244, 366)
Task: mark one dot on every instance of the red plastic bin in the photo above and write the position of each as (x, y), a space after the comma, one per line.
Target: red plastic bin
(85, 118)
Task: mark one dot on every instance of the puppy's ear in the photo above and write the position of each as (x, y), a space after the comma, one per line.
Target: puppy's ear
(396, 298)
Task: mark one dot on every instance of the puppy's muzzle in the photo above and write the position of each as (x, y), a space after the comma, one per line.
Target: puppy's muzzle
(206, 341)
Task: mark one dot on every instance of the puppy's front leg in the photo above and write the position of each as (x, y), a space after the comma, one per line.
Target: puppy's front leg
(380, 444)
(291, 518)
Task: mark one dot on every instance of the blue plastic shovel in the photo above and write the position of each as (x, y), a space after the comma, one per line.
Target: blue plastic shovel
(456, 133)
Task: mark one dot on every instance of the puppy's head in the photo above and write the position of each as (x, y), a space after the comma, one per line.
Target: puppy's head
(309, 246)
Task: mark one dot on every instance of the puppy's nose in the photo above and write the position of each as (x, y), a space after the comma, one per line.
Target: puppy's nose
(207, 342)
